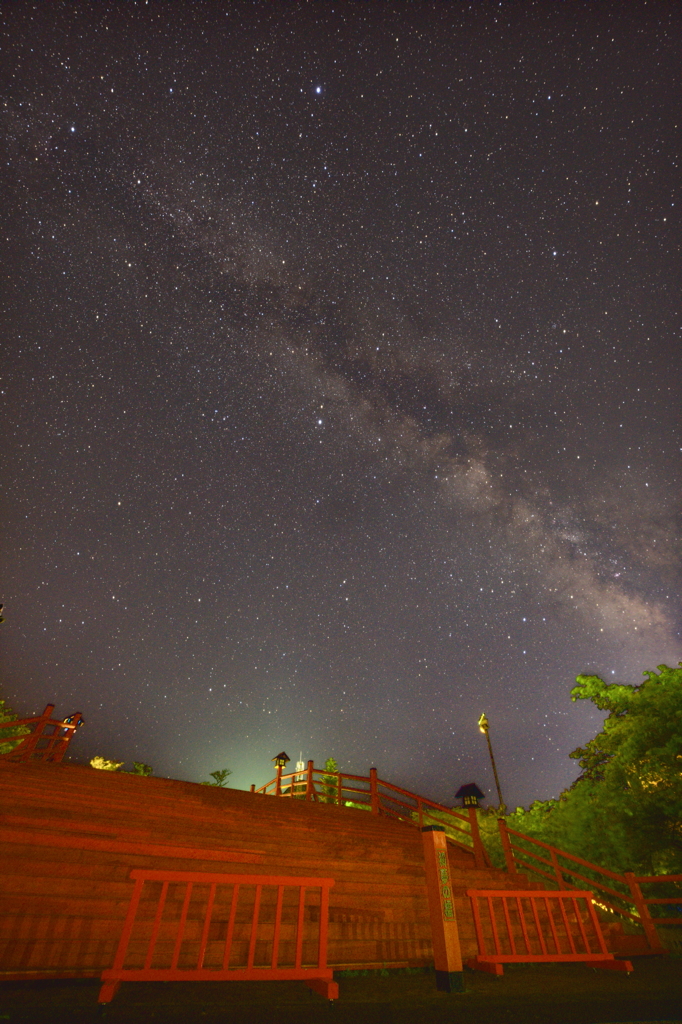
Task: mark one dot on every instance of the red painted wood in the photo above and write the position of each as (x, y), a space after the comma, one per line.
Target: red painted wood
(39, 744)
(542, 934)
(320, 976)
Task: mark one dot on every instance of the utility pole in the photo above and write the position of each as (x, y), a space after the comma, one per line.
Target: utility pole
(484, 727)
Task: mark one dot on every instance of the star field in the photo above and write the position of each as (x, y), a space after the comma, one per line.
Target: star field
(340, 379)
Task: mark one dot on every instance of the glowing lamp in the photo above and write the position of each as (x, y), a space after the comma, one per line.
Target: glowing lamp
(469, 795)
(281, 760)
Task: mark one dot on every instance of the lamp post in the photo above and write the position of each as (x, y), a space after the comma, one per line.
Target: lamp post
(484, 727)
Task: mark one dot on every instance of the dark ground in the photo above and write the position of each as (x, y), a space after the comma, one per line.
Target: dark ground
(527, 994)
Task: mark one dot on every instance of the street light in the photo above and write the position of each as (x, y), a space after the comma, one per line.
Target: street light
(484, 727)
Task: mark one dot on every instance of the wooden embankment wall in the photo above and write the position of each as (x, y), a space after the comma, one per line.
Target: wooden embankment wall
(70, 836)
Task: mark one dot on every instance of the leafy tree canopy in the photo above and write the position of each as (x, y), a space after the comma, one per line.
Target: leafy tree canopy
(219, 777)
(9, 738)
(625, 809)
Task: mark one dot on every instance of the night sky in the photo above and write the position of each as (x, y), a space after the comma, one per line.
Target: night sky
(341, 383)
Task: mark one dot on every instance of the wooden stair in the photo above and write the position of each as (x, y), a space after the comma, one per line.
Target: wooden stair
(71, 834)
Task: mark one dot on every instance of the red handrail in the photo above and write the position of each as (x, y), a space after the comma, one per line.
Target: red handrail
(631, 894)
(320, 785)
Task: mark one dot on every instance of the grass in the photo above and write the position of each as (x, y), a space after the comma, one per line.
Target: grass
(527, 994)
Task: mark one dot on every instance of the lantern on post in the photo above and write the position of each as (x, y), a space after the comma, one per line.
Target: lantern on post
(469, 795)
(281, 760)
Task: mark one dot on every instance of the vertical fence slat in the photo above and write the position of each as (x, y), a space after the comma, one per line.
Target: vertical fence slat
(128, 925)
(299, 927)
(254, 927)
(181, 925)
(569, 932)
(230, 926)
(506, 846)
(324, 922)
(493, 925)
(579, 919)
(278, 925)
(524, 930)
(557, 871)
(548, 910)
(207, 925)
(156, 926)
(595, 924)
(510, 932)
(538, 926)
(480, 938)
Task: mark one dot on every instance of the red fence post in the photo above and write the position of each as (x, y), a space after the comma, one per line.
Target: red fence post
(278, 781)
(479, 853)
(643, 911)
(506, 846)
(557, 870)
(447, 953)
(373, 791)
(309, 782)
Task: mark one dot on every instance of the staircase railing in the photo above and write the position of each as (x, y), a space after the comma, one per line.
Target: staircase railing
(619, 893)
(41, 738)
(375, 795)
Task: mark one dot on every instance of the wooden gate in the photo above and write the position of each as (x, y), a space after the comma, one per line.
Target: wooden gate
(195, 926)
(537, 926)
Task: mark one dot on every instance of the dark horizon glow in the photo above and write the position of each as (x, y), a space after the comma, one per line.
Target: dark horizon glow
(340, 379)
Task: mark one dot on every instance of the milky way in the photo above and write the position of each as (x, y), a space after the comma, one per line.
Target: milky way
(341, 379)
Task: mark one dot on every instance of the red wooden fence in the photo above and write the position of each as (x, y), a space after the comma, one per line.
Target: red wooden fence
(370, 793)
(45, 738)
(196, 926)
(537, 926)
(619, 893)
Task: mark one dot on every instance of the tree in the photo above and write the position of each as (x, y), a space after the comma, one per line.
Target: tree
(330, 782)
(140, 768)
(624, 811)
(10, 738)
(104, 765)
(219, 778)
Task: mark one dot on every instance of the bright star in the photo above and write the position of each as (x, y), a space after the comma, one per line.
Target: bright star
(318, 89)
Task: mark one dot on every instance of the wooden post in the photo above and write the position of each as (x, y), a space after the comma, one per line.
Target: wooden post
(557, 870)
(309, 784)
(479, 853)
(278, 781)
(643, 910)
(506, 846)
(253, 787)
(373, 791)
(447, 954)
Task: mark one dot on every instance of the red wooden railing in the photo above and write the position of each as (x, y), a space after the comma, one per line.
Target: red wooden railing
(44, 738)
(378, 797)
(195, 926)
(620, 893)
(537, 927)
